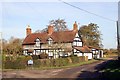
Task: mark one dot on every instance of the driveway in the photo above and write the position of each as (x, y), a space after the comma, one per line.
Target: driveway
(84, 71)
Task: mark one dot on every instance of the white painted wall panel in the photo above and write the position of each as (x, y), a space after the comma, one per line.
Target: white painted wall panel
(79, 44)
(50, 53)
(89, 55)
(79, 54)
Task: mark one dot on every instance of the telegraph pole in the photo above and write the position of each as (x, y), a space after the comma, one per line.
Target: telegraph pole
(118, 40)
(118, 31)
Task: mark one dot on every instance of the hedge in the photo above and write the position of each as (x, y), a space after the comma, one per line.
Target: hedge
(18, 63)
(21, 62)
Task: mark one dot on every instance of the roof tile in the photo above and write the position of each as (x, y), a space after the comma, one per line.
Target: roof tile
(61, 36)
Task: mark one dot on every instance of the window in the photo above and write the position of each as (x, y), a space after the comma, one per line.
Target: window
(37, 42)
(38, 52)
(74, 43)
(50, 41)
(77, 43)
(50, 52)
(25, 52)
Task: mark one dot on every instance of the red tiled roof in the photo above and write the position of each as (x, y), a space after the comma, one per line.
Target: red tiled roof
(30, 39)
(83, 49)
(62, 36)
(91, 47)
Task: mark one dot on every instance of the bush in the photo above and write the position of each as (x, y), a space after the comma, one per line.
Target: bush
(18, 63)
(75, 59)
(35, 57)
(36, 63)
(43, 56)
(8, 58)
(51, 62)
(65, 61)
(14, 64)
(21, 62)
(61, 62)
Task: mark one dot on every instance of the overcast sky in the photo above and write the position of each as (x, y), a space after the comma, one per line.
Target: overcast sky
(17, 15)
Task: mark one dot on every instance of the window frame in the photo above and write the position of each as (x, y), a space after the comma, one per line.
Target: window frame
(38, 42)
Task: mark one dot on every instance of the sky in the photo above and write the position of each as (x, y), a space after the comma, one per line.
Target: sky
(17, 15)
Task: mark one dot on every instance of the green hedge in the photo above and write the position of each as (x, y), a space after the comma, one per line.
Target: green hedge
(14, 64)
(75, 59)
(21, 62)
(18, 63)
(51, 62)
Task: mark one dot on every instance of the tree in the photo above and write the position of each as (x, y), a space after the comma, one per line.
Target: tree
(14, 47)
(59, 25)
(91, 35)
(110, 51)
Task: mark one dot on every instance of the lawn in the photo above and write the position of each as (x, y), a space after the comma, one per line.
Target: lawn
(112, 70)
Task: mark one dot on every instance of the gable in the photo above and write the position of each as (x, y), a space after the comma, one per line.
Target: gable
(50, 39)
(37, 40)
(77, 37)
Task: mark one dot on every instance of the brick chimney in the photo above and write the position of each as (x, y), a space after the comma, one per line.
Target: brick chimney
(75, 27)
(50, 29)
(28, 30)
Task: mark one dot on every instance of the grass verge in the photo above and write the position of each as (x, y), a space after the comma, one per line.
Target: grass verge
(111, 70)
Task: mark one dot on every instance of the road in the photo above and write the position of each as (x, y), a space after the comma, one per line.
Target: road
(84, 71)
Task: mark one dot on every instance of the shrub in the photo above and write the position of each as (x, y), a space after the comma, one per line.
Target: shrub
(36, 63)
(75, 59)
(9, 58)
(21, 62)
(43, 56)
(14, 64)
(61, 62)
(43, 62)
(50, 62)
(35, 57)
(18, 63)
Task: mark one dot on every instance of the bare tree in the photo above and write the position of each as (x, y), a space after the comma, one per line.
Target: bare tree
(59, 25)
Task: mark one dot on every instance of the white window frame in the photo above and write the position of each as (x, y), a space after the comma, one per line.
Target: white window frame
(37, 41)
(50, 41)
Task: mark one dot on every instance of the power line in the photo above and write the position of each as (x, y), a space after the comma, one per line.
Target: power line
(86, 11)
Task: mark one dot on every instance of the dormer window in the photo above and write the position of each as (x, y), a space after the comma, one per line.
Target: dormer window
(50, 41)
(37, 42)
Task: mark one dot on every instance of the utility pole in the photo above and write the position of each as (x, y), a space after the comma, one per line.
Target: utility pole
(118, 31)
(118, 40)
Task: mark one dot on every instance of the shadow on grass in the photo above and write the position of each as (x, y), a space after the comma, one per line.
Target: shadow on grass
(107, 70)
